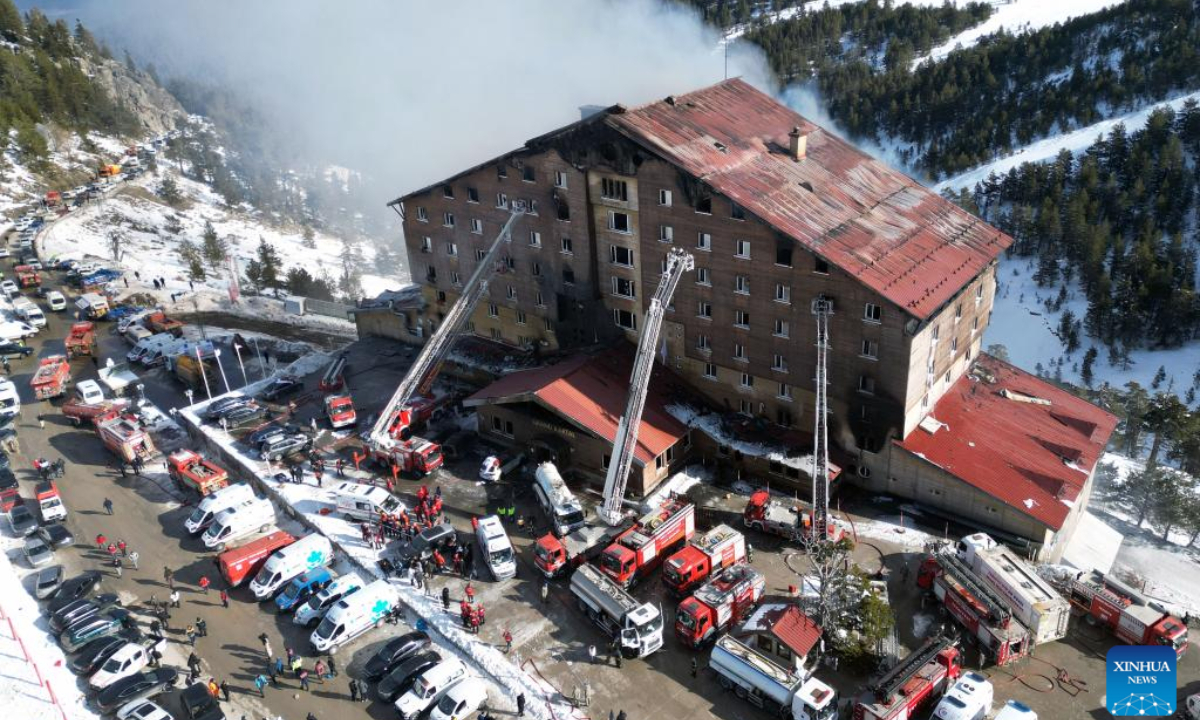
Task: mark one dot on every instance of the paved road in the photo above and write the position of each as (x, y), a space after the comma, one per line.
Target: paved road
(149, 518)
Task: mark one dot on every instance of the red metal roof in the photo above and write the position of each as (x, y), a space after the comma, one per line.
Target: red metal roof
(787, 623)
(591, 392)
(902, 240)
(1015, 437)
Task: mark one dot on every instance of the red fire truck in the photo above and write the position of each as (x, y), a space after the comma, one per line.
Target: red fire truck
(340, 411)
(124, 436)
(27, 276)
(639, 549)
(719, 603)
(704, 555)
(768, 515)
(52, 377)
(1126, 613)
(975, 606)
(192, 472)
(416, 456)
(913, 684)
(81, 340)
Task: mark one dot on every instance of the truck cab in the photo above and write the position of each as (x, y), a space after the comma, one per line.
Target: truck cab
(340, 411)
(50, 502)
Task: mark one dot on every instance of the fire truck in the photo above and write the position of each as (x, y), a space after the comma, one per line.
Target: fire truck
(640, 549)
(913, 684)
(27, 276)
(340, 411)
(1038, 606)
(1127, 613)
(720, 602)
(52, 377)
(123, 434)
(766, 514)
(704, 555)
(81, 340)
(975, 606)
(192, 472)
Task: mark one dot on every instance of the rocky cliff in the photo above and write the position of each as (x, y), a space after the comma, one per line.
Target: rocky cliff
(157, 109)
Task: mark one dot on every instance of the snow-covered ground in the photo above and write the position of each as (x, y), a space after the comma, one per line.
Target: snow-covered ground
(23, 683)
(1023, 325)
(1047, 148)
(1016, 16)
(1168, 571)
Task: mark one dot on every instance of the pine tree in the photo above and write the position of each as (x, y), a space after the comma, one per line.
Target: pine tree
(11, 26)
(269, 266)
(1089, 361)
(310, 237)
(213, 248)
(1068, 331)
(190, 255)
(1166, 417)
(169, 192)
(1140, 490)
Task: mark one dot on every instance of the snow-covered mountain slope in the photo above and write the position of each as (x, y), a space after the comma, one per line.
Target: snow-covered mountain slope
(1047, 148)
(1028, 330)
(1017, 16)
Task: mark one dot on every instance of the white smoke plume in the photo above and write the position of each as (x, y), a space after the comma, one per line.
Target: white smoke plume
(410, 92)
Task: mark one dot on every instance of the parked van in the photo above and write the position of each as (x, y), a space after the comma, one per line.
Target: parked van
(32, 314)
(353, 615)
(10, 401)
(430, 687)
(302, 587)
(365, 502)
(211, 505)
(307, 553)
(245, 561)
(134, 334)
(497, 549)
(311, 612)
(969, 699)
(158, 352)
(238, 522)
(557, 500)
(88, 392)
(1014, 710)
(140, 348)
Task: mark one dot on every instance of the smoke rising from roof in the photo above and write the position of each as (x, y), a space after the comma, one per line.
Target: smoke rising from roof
(408, 93)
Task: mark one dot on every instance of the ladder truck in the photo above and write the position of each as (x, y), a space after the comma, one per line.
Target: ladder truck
(1037, 605)
(576, 547)
(389, 441)
(913, 684)
(975, 606)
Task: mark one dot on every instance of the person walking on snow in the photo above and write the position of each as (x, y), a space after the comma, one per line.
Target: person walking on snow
(446, 599)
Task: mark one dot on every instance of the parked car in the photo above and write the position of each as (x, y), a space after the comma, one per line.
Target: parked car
(127, 660)
(221, 405)
(244, 415)
(136, 687)
(92, 656)
(9, 288)
(104, 624)
(146, 710)
(397, 682)
(22, 521)
(258, 437)
(37, 552)
(281, 387)
(423, 545)
(56, 536)
(73, 589)
(14, 350)
(278, 447)
(460, 700)
(394, 652)
(56, 301)
(48, 581)
(73, 612)
(198, 704)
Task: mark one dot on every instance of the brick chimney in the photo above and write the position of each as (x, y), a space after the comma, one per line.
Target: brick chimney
(798, 143)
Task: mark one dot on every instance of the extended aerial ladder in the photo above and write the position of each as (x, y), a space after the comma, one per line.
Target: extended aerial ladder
(821, 308)
(397, 415)
(677, 263)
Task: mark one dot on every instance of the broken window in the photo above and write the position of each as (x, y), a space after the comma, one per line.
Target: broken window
(704, 205)
(567, 247)
(625, 319)
(564, 211)
(620, 255)
(527, 173)
(618, 222)
(560, 179)
(623, 287)
(737, 212)
(873, 313)
(612, 189)
(448, 192)
(568, 276)
(472, 195)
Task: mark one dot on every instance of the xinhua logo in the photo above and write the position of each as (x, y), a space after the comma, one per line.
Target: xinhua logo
(1141, 680)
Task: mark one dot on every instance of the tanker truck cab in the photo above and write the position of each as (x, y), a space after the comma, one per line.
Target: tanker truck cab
(214, 504)
(238, 522)
(354, 615)
(497, 548)
(308, 553)
(642, 633)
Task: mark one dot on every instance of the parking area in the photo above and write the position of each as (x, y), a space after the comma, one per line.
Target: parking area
(551, 638)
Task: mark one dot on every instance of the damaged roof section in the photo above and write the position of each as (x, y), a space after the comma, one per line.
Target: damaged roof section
(1015, 437)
